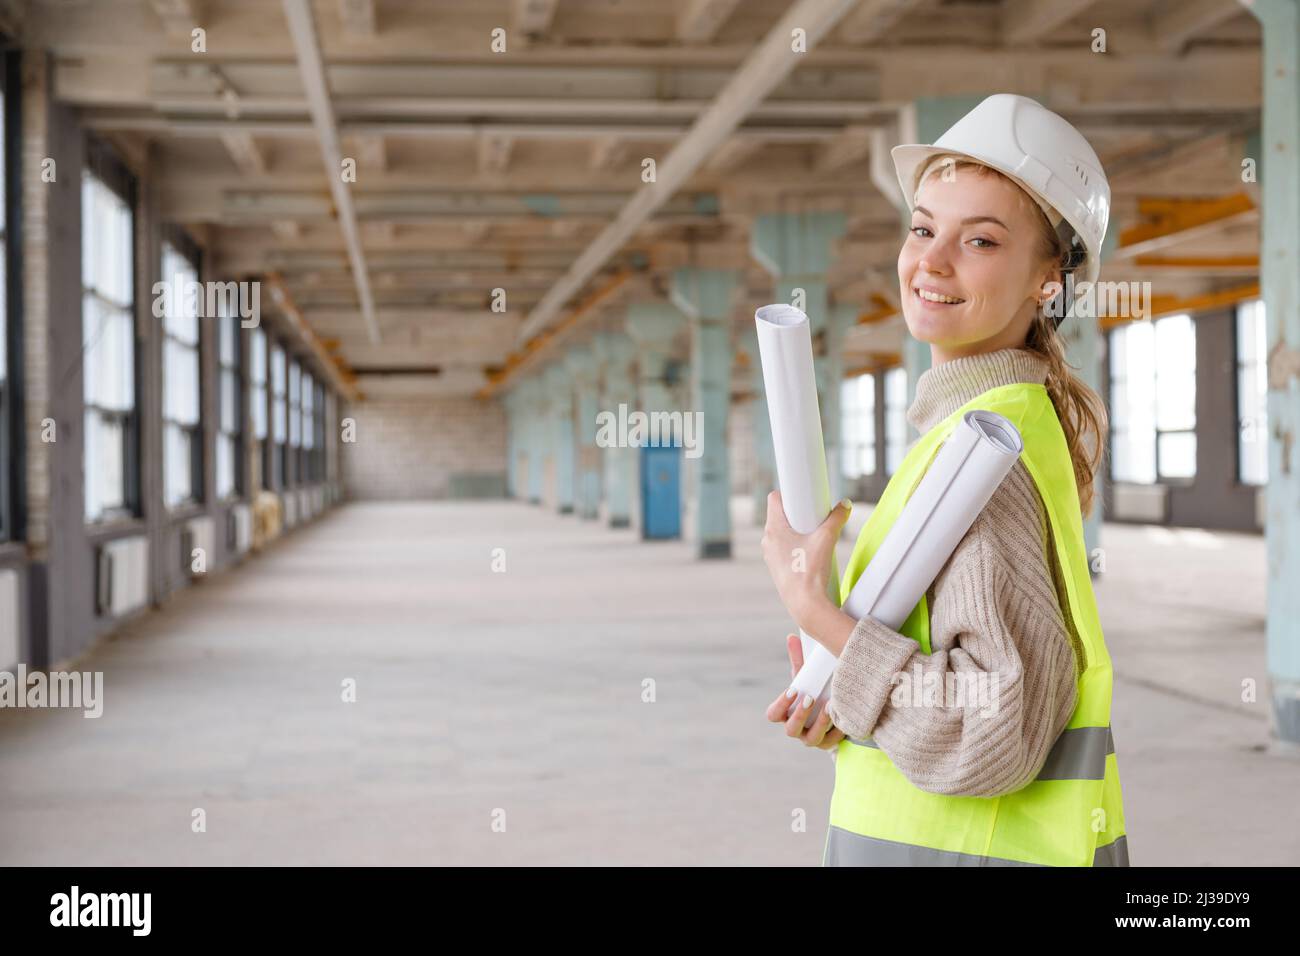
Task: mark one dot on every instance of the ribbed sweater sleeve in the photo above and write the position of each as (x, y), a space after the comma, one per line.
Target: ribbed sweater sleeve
(995, 619)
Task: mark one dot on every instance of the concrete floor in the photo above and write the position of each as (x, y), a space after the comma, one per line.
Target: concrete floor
(480, 692)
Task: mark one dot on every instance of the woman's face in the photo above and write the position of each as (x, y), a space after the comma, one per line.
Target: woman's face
(972, 239)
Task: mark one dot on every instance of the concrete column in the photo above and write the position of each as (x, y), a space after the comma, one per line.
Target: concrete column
(704, 295)
(617, 387)
(559, 390)
(583, 371)
(840, 318)
(653, 326)
(1279, 177)
(797, 249)
(511, 404)
(763, 477)
(533, 438)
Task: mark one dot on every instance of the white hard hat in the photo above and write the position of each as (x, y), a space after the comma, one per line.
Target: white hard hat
(1042, 152)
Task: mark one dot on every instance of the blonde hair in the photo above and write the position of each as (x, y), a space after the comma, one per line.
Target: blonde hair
(1079, 408)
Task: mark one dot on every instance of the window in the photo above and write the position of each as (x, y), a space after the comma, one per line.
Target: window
(182, 432)
(308, 428)
(1153, 400)
(257, 399)
(279, 432)
(230, 434)
(895, 418)
(1252, 394)
(295, 421)
(108, 341)
(858, 404)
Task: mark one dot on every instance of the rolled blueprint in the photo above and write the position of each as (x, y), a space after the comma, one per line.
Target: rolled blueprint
(965, 472)
(785, 352)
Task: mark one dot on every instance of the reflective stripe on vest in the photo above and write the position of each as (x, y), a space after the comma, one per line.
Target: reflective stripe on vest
(1072, 813)
(1078, 754)
(851, 849)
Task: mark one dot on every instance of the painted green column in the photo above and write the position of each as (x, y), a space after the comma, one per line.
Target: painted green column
(797, 250)
(581, 365)
(1279, 178)
(830, 366)
(534, 438)
(653, 326)
(560, 395)
(513, 434)
(615, 352)
(763, 471)
(704, 296)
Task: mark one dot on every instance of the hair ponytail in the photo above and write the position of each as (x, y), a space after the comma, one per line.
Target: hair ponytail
(1079, 408)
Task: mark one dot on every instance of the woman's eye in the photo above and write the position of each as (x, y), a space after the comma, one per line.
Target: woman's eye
(915, 228)
(991, 243)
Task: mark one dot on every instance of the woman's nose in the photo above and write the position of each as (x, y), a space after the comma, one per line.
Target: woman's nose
(934, 263)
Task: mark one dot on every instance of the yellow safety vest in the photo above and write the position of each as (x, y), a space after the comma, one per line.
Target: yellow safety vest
(1072, 814)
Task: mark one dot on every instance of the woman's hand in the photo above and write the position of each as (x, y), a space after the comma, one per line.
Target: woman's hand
(821, 733)
(800, 564)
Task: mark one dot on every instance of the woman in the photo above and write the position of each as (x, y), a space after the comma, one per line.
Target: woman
(1020, 769)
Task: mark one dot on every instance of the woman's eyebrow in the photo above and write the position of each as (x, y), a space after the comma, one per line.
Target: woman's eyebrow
(967, 220)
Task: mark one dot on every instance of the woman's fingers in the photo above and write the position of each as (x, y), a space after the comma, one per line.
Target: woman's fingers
(814, 735)
(794, 725)
(794, 647)
(834, 522)
(776, 519)
(832, 740)
(776, 711)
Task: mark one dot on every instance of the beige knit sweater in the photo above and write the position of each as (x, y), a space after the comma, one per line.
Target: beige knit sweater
(995, 619)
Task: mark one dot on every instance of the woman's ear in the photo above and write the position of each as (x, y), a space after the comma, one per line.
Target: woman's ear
(1051, 284)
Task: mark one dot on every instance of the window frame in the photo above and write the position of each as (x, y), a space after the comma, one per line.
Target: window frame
(259, 406)
(190, 251)
(293, 420)
(899, 441)
(278, 447)
(1158, 475)
(858, 419)
(102, 163)
(237, 436)
(1238, 365)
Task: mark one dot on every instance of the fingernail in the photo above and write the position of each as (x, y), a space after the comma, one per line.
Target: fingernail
(846, 503)
(807, 701)
(789, 695)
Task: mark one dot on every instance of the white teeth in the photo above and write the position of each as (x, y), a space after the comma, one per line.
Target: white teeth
(935, 297)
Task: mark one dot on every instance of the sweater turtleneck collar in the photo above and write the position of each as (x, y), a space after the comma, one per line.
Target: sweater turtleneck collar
(944, 388)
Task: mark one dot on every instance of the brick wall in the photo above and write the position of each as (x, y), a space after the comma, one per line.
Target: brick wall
(410, 448)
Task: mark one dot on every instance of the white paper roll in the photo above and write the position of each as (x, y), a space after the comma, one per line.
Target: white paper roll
(965, 472)
(785, 351)
(960, 481)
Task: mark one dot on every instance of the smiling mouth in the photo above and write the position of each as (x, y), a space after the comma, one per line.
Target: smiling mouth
(935, 299)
